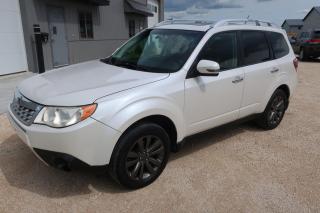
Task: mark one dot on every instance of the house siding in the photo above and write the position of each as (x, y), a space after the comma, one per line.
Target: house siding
(110, 29)
(312, 21)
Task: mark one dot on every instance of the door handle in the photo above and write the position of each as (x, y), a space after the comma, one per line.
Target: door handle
(237, 79)
(275, 70)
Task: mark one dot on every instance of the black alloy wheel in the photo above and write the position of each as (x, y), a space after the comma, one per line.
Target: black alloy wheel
(140, 155)
(145, 158)
(274, 112)
(302, 54)
(277, 110)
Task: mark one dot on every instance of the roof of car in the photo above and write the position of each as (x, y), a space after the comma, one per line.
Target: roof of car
(196, 25)
(204, 25)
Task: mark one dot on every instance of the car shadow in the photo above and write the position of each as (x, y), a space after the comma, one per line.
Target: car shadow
(312, 60)
(24, 171)
(211, 137)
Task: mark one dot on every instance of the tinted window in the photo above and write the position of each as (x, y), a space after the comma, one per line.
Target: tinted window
(279, 44)
(255, 47)
(222, 48)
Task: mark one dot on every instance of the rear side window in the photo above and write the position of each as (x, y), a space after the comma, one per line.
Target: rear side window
(255, 47)
(279, 45)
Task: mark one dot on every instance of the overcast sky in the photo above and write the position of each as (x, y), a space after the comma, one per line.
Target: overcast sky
(272, 10)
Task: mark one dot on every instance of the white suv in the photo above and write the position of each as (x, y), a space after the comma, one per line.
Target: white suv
(177, 79)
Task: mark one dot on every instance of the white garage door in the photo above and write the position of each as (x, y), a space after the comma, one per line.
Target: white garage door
(12, 47)
(153, 5)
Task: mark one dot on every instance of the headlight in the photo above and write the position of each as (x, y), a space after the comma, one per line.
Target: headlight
(59, 117)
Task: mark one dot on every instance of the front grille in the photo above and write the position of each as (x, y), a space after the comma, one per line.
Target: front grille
(24, 109)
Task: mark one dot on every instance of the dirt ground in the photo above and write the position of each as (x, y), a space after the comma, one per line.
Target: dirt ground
(237, 168)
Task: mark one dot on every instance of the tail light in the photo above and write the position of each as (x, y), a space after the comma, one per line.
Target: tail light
(296, 63)
(313, 41)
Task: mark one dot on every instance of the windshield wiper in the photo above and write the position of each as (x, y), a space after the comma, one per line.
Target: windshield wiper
(131, 66)
(124, 64)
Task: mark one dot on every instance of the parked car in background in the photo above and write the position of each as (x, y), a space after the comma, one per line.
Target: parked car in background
(307, 45)
(180, 78)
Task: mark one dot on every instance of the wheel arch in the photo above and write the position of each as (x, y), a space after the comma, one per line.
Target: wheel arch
(283, 86)
(165, 122)
(286, 89)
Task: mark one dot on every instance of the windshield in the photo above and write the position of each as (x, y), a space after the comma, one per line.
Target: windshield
(157, 50)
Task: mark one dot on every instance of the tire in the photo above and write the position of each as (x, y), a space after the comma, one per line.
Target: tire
(302, 55)
(274, 112)
(140, 155)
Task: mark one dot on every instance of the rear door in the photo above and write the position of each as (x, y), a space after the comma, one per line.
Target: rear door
(281, 53)
(260, 70)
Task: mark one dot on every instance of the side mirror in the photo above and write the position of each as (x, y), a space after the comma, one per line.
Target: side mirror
(208, 68)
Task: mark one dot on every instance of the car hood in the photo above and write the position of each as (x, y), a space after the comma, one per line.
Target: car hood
(83, 83)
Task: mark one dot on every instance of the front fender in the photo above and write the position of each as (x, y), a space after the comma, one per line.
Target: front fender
(121, 113)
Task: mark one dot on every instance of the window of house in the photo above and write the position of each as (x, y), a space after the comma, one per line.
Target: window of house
(256, 48)
(86, 25)
(302, 35)
(132, 28)
(305, 35)
(153, 8)
(222, 48)
(279, 44)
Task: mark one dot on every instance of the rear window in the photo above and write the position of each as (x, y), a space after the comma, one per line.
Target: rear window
(255, 47)
(279, 45)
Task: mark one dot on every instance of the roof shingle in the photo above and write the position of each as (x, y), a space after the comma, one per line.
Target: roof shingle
(293, 22)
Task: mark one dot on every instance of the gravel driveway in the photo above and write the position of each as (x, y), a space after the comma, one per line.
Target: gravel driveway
(7, 87)
(236, 168)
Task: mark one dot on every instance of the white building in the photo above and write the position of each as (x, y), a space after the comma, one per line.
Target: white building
(12, 51)
(154, 7)
(77, 30)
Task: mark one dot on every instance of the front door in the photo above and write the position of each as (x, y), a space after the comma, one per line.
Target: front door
(214, 100)
(58, 36)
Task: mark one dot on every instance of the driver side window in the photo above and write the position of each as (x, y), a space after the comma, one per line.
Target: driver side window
(222, 48)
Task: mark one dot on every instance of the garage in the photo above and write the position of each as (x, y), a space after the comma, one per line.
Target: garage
(12, 51)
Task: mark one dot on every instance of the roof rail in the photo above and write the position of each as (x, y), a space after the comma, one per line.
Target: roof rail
(245, 22)
(214, 24)
(187, 22)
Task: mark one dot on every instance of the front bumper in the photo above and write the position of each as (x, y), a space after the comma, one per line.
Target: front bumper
(89, 141)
